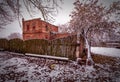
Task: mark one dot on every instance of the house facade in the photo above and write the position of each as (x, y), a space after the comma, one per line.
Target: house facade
(39, 29)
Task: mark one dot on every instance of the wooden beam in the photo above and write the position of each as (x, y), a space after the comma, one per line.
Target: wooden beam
(48, 57)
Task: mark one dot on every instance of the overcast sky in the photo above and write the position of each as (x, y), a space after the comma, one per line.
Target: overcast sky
(61, 18)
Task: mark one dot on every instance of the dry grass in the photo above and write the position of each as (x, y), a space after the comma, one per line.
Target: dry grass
(100, 59)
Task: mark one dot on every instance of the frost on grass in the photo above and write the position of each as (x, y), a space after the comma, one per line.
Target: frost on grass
(31, 69)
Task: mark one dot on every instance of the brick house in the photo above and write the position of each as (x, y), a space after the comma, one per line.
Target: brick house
(39, 29)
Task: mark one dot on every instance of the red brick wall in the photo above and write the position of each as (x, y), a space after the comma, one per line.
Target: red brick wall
(36, 36)
(49, 26)
(62, 35)
(37, 29)
(59, 35)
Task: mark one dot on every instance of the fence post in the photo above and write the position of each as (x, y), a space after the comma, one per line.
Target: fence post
(81, 55)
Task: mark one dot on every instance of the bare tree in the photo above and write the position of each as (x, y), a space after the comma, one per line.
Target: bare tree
(15, 35)
(12, 9)
(89, 16)
(64, 28)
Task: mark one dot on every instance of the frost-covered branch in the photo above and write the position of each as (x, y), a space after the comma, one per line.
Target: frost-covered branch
(93, 18)
(12, 9)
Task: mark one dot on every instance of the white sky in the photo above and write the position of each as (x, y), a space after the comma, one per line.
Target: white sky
(61, 18)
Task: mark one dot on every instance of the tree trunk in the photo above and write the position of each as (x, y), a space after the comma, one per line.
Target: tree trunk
(77, 48)
(89, 60)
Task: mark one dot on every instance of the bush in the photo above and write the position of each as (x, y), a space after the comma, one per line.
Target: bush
(16, 45)
(4, 44)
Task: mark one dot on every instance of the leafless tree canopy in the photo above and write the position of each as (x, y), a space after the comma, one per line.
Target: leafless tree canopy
(90, 17)
(12, 9)
(64, 28)
(88, 14)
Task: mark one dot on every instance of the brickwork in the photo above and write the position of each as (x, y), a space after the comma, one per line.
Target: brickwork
(39, 29)
(62, 35)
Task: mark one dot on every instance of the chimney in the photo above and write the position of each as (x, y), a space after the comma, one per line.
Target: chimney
(22, 19)
(22, 25)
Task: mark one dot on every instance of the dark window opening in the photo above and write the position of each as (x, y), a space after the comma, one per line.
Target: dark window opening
(46, 37)
(33, 27)
(46, 28)
(27, 27)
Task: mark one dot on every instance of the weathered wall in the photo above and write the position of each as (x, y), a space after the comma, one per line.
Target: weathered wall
(37, 29)
(36, 36)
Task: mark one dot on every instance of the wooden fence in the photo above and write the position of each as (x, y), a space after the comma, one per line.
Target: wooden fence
(64, 47)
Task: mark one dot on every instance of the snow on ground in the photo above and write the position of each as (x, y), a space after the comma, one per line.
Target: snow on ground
(114, 52)
(31, 69)
(14, 68)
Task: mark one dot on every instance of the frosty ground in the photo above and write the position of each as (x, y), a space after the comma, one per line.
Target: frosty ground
(20, 68)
